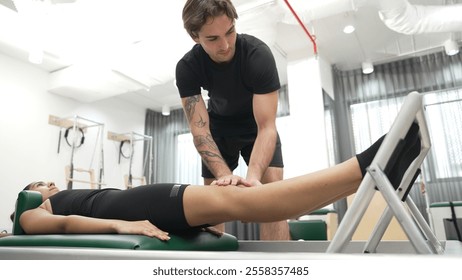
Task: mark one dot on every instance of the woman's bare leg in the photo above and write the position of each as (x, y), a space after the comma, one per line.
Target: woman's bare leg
(274, 201)
(221, 226)
(290, 198)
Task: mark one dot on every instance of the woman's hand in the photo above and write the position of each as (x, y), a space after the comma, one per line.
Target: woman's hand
(140, 227)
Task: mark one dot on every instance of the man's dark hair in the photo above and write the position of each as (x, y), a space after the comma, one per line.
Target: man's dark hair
(197, 12)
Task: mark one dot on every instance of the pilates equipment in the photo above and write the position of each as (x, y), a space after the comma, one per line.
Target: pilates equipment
(444, 215)
(320, 224)
(191, 240)
(79, 125)
(91, 174)
(13, 247)
(197, 245)
(131, 138)
(308, 230)
(411, 220)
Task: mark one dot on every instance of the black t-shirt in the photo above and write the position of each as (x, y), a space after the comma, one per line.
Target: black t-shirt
(78, 202)
(230, 85)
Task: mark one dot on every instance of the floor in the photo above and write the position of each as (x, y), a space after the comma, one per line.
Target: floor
(309, 250)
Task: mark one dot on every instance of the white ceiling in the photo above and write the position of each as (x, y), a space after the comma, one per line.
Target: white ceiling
(128, 49)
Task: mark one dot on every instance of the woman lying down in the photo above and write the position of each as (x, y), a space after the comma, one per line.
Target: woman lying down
(155, 210)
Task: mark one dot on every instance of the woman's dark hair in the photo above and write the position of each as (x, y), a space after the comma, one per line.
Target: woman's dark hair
(25, 189)
(196, 13)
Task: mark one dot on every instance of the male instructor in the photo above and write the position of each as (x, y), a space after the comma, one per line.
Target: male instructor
(240, 75)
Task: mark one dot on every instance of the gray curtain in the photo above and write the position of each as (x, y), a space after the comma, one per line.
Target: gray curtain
(164, 130)
(365, 106)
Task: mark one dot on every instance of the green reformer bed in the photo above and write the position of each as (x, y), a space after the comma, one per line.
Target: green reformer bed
(188, 241)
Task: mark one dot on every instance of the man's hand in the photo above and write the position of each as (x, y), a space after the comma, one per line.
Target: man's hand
(233, 180)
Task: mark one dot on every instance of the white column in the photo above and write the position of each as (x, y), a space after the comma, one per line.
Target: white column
(303, 132)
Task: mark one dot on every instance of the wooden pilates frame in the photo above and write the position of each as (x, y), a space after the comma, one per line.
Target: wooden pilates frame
(132, 138)
(76, 123)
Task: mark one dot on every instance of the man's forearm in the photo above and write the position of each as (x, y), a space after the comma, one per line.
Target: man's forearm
(262, 154)
(211, 156)
(198, 120)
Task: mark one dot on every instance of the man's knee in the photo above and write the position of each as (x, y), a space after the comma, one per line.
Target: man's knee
(275, 231)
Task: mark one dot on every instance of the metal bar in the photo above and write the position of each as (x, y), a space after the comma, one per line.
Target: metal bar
(443, 102)
(378, 232)
(76, 117)
(434, 242)
(151, 159)
(385, 220)
(395, 204)
(143, 137)
(101, 159)
(71, 171)
(353, 216)
(411, 110)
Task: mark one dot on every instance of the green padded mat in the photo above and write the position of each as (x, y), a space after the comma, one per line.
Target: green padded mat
(190, 240)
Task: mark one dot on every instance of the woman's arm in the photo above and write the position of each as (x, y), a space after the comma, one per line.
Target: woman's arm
(40, 221)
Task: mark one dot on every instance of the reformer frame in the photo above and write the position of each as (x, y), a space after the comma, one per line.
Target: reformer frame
(77, 122)
(133, 137)
(411, 220)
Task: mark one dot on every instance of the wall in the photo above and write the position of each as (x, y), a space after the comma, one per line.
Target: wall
(29, 145)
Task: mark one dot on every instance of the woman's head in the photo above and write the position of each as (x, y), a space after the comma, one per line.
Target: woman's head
(34, 185)
(45, 189)
(197, 12)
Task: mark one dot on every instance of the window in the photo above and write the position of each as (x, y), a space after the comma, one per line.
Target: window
(373, 119)
(444, 119)
(188, 162)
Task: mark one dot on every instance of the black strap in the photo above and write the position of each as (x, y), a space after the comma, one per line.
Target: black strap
(454, 220)
(408, 190)
(59, 140)
(121, 153)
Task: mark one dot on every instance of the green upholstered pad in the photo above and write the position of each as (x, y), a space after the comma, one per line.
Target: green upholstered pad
(191, 240)
(26, 200)
(322, 211)
(445, 204)
(308, 230)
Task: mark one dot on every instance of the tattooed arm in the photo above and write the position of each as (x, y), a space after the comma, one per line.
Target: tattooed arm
(198, 119)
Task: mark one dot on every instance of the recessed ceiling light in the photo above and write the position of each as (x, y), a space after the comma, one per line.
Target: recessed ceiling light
(165, 110)
(368, 67)
(451, 47)
(348, 29)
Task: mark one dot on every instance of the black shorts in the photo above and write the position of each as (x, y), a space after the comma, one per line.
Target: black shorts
(231, 147)
(161, 204)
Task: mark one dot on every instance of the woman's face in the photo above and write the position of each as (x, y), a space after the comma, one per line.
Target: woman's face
(46, 189)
